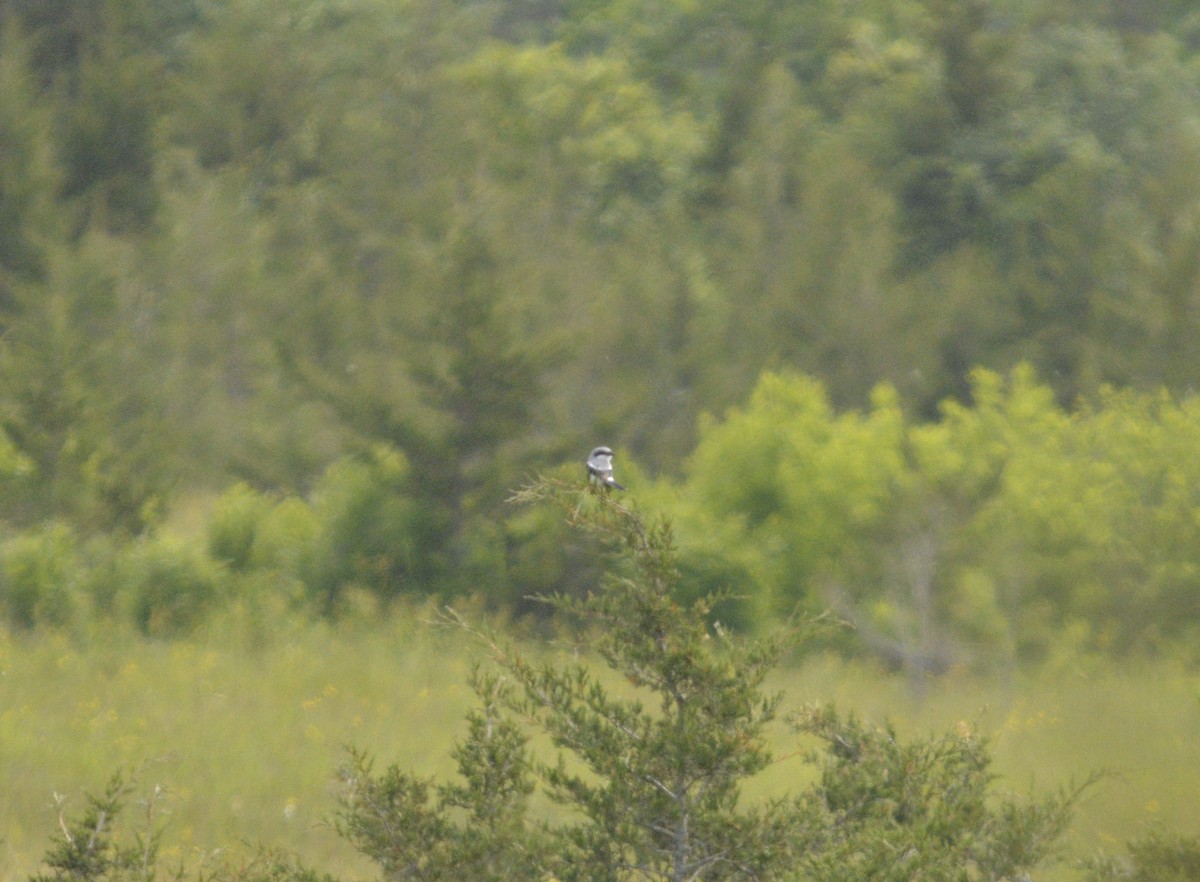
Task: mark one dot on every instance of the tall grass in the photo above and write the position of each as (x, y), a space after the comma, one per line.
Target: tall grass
(246, 723)
(245, 735)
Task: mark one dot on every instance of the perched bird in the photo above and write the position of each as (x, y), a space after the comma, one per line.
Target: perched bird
(599, 466)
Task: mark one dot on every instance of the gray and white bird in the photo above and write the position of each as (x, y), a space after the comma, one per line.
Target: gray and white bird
(600, 470)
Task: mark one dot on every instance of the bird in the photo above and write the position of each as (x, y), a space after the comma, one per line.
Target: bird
(600, 470)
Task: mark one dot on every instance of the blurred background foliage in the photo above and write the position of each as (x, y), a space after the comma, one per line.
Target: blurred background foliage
(893, 305)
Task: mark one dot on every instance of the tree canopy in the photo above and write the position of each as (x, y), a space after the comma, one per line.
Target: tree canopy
(253, 240)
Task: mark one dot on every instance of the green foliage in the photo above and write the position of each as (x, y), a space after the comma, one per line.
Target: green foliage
(1159, 856)
(727, 586)
(257, 240)
(266, 866)
(918, 810)
(664, 782)
(482, 383)
(370, 534)
(655, 788)
(1073, 502)
(39, 572)
(794, 480)
(99, 844)
(548, 556)
(29, 174)
(72, 399)
(394, 819)
(601, 220)
(108, 150)
(87, 847)
(982, 537)
(167, 587)
(234, 527)
(360, 529)
(247, 90)
(670, 197)
(983, 534)
(590, 119)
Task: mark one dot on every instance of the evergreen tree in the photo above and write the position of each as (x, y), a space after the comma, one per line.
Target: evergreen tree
(653, 783)
(76, 399)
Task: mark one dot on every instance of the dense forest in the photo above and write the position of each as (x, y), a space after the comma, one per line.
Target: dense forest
(895, 305)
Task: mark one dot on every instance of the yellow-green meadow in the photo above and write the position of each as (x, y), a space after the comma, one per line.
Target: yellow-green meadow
(243, 732)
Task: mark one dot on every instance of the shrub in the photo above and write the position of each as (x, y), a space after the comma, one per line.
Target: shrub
(404, 823)
(1156, 857)
(236, 521)
(98, 844)
(39, 572)
(285, 537)
(889, 811)
(168, 585)
(86, 847)
(371, 533)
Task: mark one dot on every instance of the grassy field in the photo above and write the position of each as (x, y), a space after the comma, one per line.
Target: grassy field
(244, 728)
